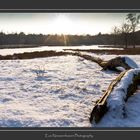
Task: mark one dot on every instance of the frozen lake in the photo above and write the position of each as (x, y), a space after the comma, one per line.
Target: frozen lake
(46, 48)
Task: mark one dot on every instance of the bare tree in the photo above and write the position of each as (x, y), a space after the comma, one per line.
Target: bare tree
(133, 21)
(125, 30)
(116, 32)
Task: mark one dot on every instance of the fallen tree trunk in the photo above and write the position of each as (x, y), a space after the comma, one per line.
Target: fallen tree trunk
(88, 57)
(101, 106)
(112, 64)
(118, 92)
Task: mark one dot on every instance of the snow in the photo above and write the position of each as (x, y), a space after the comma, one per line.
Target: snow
(61, 92)
(47, 48)
(120, 112)
(130, 62)
(120, 69)
(50, 92)
(132, 118)
(116, 98)
(129, 59)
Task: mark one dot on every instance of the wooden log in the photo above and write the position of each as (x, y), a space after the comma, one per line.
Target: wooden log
(111, 64)
(101, 106)
(133, 86)
(88, 57)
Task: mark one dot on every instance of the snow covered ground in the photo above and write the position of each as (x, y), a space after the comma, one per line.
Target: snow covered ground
(132, 118)
(132, 106)
(121, 113)
(53, 92)
(50, 92)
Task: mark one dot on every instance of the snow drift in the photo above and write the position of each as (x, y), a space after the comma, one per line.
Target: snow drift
(117, 100)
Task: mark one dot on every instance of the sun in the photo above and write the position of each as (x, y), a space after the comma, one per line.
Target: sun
(62, 25)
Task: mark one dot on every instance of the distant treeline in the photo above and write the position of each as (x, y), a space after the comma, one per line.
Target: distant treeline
(65, 40)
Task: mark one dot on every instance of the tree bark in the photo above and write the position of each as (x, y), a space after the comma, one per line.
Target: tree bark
(101, 108)
(111, 64)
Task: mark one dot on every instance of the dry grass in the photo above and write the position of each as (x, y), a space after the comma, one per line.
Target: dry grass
(129, 51)
(37, 54)
(30, 55)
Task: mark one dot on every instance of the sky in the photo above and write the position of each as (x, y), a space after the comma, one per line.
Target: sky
(60, 23)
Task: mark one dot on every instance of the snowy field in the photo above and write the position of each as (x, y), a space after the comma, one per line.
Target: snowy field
(121, 113)
(56, 92)
(47, 48)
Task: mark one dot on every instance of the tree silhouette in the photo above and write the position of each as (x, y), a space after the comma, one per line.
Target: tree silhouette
(125, 29)
(116, 32)
(133, 21)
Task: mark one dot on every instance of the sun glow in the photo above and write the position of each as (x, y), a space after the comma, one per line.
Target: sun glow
(62, 25)
(58, 23)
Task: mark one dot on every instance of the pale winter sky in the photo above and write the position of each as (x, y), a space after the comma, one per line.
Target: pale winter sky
(60, 23)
